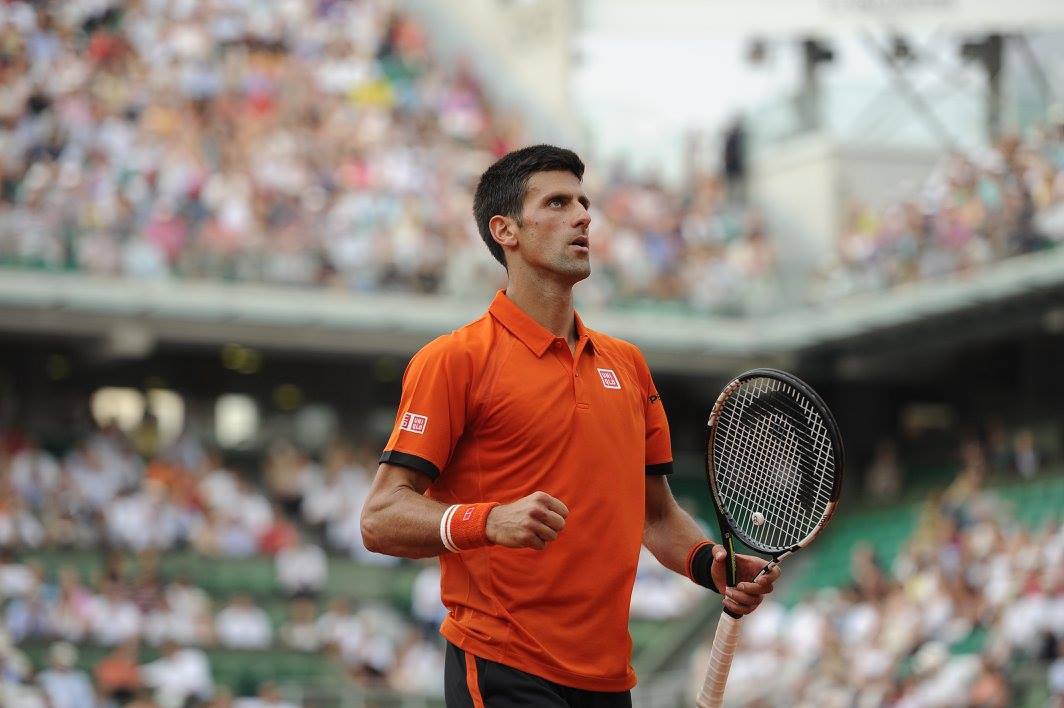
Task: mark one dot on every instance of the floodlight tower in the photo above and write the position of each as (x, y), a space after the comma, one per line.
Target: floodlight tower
(989, 52)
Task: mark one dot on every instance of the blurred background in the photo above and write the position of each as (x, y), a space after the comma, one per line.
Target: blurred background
(225, 225)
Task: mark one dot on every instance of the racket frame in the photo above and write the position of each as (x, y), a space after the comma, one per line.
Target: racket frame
(729, 530)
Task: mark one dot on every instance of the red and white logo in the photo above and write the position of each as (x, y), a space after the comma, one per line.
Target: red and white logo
(414, 423)
(609, 379)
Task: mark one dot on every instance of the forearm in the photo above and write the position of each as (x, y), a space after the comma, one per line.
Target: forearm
(671, 536)
(403, 522)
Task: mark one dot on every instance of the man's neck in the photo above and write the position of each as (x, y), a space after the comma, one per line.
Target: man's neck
(548, 303)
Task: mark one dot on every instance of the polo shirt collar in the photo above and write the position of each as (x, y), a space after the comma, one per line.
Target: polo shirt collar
(534, 335)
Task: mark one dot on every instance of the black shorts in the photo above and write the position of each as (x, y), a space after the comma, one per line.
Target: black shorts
(472, 682)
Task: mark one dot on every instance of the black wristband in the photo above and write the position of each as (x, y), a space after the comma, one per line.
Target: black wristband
(702, 565)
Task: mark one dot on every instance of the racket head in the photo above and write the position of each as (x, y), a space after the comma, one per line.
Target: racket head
(774, 462)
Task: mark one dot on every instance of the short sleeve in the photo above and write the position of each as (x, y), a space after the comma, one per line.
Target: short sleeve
(658, 443)
(432, 410)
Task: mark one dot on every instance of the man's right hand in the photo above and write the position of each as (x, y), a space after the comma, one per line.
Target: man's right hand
(531, 522)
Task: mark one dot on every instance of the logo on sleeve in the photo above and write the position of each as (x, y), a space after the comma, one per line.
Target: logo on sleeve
(654, 398)
(609, 379)
(414, 423)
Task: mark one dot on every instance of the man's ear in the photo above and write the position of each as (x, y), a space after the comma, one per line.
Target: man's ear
(504, 230)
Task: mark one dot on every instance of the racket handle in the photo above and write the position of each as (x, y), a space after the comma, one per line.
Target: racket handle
(720, 658)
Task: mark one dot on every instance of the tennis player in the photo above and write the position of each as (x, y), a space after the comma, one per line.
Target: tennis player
(530, 453)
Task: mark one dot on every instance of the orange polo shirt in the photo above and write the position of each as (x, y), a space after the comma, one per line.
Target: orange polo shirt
(502, 408)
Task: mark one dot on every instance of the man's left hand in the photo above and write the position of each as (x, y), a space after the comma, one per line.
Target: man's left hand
(747, 593)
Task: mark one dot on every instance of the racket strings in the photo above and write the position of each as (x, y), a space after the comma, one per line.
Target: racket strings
(781, 473)
(755, 488)
(773, 457)
(784, 474)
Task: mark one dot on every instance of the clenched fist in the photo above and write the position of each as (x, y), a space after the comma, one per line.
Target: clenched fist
(531, 522)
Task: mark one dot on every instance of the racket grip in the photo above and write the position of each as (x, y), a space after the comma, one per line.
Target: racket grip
(720, 658)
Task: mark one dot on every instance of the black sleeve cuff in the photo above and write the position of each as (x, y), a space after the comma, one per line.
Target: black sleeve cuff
(701, 567)
(659, 470)
(418, 464)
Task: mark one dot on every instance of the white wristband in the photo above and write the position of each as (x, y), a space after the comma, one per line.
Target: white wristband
(445, 528)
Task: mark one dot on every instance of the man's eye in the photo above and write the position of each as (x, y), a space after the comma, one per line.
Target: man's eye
(556, 201)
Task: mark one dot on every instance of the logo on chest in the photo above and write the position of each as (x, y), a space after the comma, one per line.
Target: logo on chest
(609, 379)
(414, 423)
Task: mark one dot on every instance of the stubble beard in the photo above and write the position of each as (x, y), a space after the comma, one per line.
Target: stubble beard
(575, 269)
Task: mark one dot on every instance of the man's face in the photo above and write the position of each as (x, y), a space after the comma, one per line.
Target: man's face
(553, 235)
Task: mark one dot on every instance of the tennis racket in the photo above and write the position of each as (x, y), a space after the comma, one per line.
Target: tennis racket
(774, 460)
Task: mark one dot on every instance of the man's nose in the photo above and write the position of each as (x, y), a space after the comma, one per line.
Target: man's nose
(583, 216)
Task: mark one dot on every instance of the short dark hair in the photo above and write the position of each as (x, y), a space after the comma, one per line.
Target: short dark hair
(502, 187)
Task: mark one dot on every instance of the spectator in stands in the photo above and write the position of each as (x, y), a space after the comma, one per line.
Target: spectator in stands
(223, 534)
(64, 685)
(280, 534)
(302, 568)
(243, 625)
(1026, 454)
(340, 628)
(373, 659)
(94, 482)
(999, 448)
(146, 590)
(16, 579)
(35, 474)
(883, 479)
(425, 603)
(185, 598)
(118, 674)
(869, 581)
(288, 474)
(418, 665)
(991, 687)
(16, 673)
(183, 615)
(72, 609)
(15, 693)
(334, 493)
(178, 675)
(218, 485)
(734, 158)
(28, 617)
(251, 508)
(18, 525)
(113, 618)
(301, 630)
(144, 519)
(162, 624)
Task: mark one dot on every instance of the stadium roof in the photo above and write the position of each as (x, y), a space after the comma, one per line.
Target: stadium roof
(792, 17)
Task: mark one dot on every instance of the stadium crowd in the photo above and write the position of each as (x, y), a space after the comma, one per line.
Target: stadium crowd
(971, 211)
(319, 143)
(105, 499)
(970, 575)
(307, 143)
